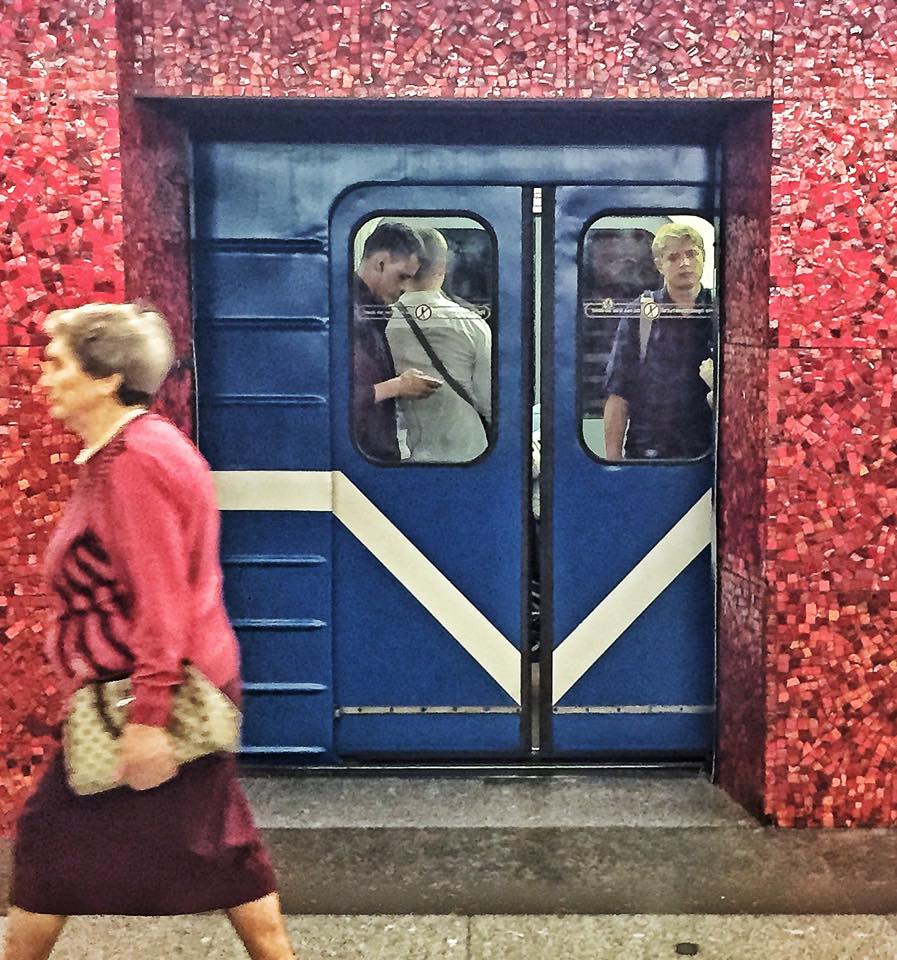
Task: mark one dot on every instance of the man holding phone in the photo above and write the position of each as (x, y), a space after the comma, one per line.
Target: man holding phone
(390, 258)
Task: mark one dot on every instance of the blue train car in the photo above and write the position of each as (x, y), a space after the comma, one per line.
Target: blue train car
(539, 599)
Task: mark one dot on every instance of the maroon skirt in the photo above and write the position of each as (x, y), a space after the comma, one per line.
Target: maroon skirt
(187, 846)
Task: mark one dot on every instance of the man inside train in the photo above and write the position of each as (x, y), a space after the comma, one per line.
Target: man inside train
(390, 258)
(449, 341)
(657, 406)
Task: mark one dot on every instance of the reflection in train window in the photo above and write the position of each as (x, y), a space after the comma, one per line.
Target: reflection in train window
(647, 322)
(424, 305)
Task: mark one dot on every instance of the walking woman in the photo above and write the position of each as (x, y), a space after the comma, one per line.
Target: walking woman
(134, 563)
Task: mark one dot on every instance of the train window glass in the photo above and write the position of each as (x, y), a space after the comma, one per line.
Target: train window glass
(647, 337)
(424, 312)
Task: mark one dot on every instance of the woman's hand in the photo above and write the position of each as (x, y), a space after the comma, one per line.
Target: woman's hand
(147, 757)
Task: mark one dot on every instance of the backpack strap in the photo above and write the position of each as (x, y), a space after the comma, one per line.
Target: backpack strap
(648, 313)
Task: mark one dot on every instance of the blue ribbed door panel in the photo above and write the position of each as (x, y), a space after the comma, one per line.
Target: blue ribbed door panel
(263, 375)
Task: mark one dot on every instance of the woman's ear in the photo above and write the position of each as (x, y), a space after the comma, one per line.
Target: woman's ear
(112, 383)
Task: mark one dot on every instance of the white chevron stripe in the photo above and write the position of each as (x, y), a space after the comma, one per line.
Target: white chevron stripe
(579, 651)
(322, 490)
(427, 584)
(274, 489)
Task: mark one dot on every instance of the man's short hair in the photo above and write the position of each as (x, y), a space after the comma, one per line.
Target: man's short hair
(397, 239)
(435, 255)
(675, 231)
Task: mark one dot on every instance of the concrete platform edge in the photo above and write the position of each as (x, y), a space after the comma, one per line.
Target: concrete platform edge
(595, 870)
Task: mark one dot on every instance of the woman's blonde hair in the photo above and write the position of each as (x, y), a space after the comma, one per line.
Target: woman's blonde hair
(130, 339)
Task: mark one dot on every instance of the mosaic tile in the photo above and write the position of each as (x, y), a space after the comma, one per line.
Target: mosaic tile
(60, 232)
(832, 704)
(68, 230)
(741, 690)
(60, 245)
(34, 484)
(741, 716)
(834, 249)
(831, 496)
(254, 48)
(849, 46)
(463, 48)
(177, 398)
(157, 240)
(741, 460)
(688, 48)
(746, 148)
(68, 47)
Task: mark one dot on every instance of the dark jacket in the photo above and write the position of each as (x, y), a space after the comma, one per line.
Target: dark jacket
(373, 424)
(669, 417)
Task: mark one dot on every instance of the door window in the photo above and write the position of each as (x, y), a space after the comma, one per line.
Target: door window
(647, 322)
(424, 313)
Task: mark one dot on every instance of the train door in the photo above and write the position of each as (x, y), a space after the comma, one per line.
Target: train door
(429, 554)
(626, 559)
(383, 601)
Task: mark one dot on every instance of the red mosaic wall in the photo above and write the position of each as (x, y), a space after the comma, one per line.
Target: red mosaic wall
(455, 48)
(155, 204)
(831, 570)
(830, 538)
(804, 611)
(157, 242)
(60, 245)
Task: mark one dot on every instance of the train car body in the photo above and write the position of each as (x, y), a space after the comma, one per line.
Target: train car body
(384, 608)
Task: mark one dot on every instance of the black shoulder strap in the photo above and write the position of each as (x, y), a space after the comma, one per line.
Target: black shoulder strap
(440, 366)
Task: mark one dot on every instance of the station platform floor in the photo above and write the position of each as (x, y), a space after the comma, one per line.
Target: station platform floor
(601, 864)
(408, 937)
(631, 841)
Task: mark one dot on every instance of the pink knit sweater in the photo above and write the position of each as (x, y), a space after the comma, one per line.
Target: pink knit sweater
(134, 562)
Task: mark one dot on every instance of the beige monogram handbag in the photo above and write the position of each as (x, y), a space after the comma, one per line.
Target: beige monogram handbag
(203, 720)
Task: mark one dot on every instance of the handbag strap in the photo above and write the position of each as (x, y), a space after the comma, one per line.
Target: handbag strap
(440, 366)
(103, 711)
(99, 696)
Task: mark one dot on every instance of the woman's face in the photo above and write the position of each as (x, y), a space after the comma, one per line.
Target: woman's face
(74, 395)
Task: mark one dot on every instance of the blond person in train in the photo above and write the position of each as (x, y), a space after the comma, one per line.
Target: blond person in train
(657, 406)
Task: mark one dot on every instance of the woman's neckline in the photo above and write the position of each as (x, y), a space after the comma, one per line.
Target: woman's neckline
(116, 428)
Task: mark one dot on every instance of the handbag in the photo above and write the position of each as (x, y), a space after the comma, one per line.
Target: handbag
(203, 720)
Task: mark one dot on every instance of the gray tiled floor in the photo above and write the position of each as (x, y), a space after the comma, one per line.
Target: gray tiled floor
(621, 937)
